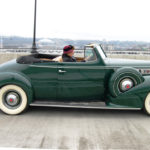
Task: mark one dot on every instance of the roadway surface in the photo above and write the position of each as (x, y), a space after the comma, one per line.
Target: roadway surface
(76, 129)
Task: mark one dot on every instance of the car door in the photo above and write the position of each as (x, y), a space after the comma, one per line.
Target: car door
(43, 77)
(81, 80)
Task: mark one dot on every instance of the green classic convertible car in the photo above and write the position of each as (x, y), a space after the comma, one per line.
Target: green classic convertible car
(98, 82)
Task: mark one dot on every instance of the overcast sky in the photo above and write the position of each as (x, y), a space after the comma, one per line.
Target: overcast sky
(78, 19)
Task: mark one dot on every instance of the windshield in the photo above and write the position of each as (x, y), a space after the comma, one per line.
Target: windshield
(89, 54)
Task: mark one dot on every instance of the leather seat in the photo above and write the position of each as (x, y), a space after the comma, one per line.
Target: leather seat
(59, 59)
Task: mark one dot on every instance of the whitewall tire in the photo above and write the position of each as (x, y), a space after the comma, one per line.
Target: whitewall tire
(13, 99)
(147, 104)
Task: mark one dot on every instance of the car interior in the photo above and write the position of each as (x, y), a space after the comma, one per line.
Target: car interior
(40, 58)
(89, 55)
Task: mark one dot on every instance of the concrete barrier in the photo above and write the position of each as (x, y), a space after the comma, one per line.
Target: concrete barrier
(4, 57)
(128, 56)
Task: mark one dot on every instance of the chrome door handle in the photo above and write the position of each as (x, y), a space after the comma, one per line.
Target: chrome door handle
(61, 71)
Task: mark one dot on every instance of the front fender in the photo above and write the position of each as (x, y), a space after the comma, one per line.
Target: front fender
(134, 97)
(17, 79)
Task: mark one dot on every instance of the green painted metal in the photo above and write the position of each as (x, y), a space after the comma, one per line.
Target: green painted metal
(135, 97)
(19, 79)
(44, 80)
(119, 75)
(79, 81)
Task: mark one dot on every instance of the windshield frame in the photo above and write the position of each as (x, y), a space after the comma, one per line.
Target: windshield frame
(101, 51)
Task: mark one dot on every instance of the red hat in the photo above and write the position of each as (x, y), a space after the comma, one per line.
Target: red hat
(68, 49)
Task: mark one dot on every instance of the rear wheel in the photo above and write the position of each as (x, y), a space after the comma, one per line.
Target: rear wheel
(13, 99)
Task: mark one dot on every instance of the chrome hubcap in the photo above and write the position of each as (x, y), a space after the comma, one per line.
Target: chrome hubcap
(126, 84)
(12, 99)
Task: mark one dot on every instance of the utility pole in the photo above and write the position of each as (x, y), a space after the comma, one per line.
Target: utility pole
(34, 48)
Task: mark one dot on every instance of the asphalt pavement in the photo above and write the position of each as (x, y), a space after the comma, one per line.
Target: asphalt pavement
(76, 129)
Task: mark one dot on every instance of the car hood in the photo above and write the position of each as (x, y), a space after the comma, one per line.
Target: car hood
(126, 62)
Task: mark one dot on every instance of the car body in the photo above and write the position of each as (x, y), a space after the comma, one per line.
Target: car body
(98, 82)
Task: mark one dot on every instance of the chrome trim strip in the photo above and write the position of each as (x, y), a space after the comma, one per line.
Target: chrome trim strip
(91, 107)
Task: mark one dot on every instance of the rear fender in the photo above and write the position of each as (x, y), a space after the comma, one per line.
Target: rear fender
(17, 79)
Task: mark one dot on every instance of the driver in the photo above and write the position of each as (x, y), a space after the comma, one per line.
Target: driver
(68, 52)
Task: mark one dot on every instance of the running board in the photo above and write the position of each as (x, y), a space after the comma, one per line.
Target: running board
(91, 105)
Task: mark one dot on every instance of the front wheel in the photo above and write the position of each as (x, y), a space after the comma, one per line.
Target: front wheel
(13, 99)
(146, 107)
